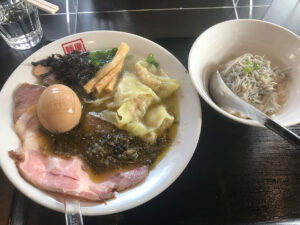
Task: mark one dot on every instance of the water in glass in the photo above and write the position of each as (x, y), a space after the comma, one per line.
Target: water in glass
(19, 24)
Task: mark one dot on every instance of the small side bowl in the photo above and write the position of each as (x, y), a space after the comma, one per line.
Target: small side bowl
(228, 40)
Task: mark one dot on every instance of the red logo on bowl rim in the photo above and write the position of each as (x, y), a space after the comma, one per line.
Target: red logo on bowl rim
(71, 46)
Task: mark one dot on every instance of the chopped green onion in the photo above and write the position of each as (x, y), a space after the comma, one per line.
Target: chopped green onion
(150, 59)
(252, 66)
(249, 62)
(256, 66)
(247, 69)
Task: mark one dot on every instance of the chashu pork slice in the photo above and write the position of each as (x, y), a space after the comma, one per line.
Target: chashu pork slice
(66, 176)
(25, 96)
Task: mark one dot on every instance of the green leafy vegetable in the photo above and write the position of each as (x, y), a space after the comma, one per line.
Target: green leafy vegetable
(100, 58)
(150, 59)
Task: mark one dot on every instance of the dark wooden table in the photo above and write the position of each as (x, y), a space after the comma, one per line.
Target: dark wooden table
(238, 174)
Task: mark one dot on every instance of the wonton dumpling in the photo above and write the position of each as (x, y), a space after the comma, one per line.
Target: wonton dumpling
(137, 128)
(132, 88)
(132, 99)
(133, 109)
(130, 109)
(159, 82)
(158, 120)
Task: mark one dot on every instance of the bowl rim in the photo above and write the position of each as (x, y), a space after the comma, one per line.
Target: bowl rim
(206, 95)
(145, 198)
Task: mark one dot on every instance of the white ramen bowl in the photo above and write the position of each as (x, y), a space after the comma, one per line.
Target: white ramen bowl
(228, 40)
(164, 173)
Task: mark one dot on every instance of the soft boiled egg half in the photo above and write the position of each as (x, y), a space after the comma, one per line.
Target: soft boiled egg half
(59, 108)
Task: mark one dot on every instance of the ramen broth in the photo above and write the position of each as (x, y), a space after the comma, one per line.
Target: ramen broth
(104, 153)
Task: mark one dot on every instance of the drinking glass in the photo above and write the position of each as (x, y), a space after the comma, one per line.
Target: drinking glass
(20, 26)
